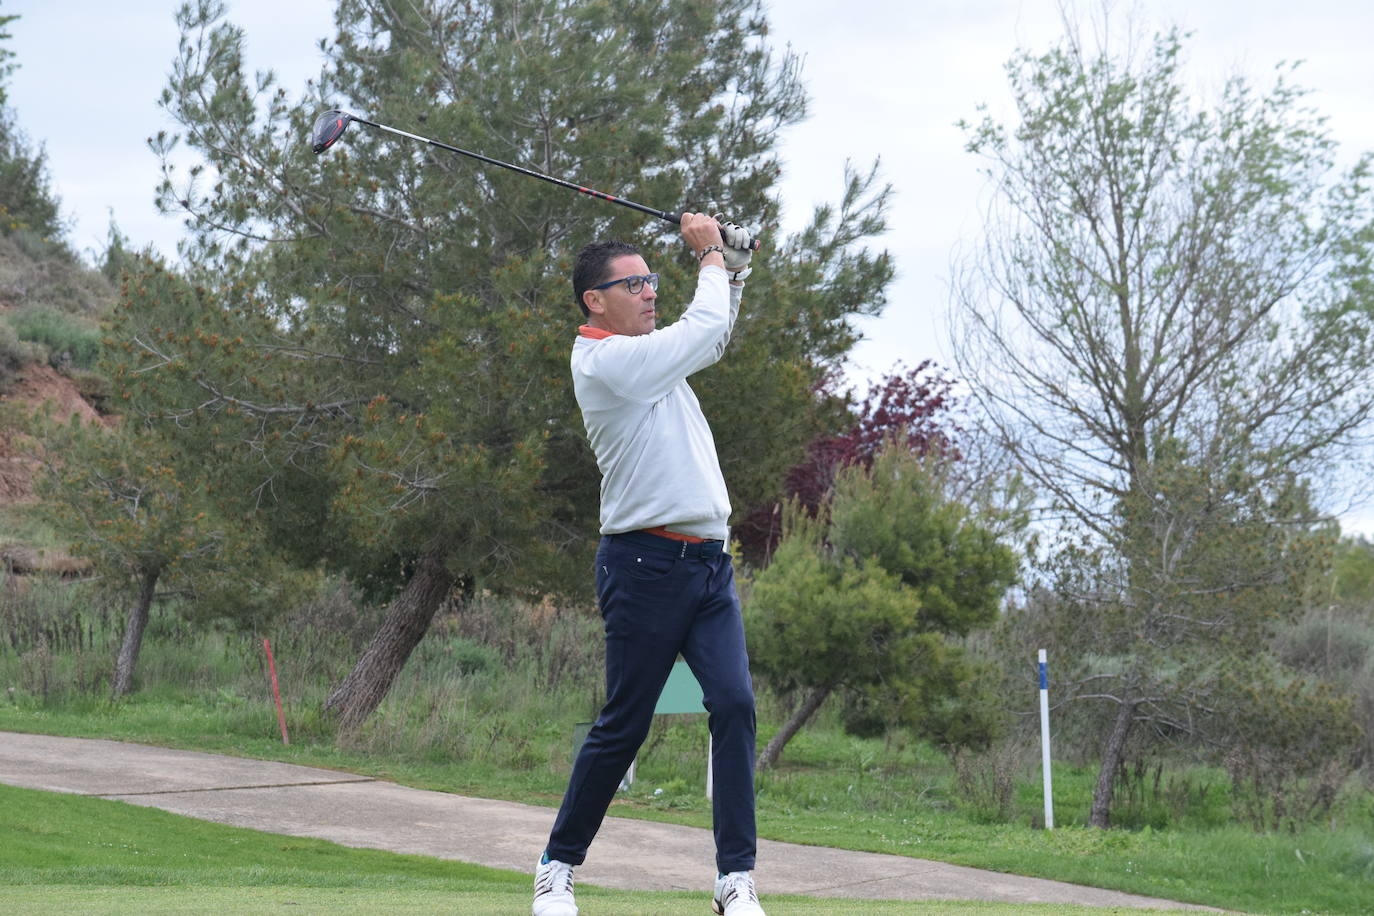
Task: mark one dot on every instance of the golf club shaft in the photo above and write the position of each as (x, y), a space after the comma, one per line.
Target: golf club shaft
(602, 195)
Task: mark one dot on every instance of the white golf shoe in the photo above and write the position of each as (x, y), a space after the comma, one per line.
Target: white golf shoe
(553, 888)
(735, 895)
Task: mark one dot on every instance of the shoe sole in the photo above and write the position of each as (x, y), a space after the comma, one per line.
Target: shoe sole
(575, 910)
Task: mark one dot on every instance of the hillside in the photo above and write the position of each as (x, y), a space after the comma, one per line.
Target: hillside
(50, 307)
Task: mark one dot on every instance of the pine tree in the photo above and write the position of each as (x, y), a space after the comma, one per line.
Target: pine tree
(860, 596)
(386, 328)
(27, 202)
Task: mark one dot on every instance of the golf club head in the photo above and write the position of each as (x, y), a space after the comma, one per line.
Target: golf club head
(329, 126)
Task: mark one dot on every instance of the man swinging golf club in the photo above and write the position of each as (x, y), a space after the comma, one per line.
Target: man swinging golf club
(663, 580)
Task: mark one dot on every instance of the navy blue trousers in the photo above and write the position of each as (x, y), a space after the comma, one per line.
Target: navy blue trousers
(660, 598)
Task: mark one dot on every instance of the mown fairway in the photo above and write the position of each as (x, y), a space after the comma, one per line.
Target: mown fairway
(67, 854)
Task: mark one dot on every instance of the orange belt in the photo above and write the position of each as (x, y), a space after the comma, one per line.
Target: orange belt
(673, 535)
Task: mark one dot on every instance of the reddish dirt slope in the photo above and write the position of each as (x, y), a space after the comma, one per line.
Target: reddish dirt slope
(35, 387)
(38, 385)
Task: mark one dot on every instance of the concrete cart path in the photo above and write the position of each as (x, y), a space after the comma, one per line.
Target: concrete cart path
(361, 811)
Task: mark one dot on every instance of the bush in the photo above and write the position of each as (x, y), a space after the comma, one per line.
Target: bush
(1334, 643)
(1293, 746)
(68, 339)
(1363, 691)
(15, 354)
(326, 630)
(470, 657)
(1337, 645)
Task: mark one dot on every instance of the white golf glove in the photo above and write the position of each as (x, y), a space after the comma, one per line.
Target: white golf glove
(737, 252)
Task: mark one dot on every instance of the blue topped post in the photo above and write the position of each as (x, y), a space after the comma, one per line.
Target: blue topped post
(1045, 739)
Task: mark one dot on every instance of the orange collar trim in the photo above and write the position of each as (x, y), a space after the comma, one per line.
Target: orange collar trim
(587, 330)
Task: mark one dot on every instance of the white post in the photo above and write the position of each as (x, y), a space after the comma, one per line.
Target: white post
(709, 790)
(1045, 739)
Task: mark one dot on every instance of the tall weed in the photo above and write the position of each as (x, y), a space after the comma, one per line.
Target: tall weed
(986, 782)
(57, 639)
(1159, 794)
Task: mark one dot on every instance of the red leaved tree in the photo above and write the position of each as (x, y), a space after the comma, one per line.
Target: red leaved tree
(911, 404)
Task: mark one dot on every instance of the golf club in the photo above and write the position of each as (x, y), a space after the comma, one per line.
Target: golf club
(330, 126)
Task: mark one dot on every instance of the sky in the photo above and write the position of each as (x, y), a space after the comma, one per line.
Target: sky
(888, 80)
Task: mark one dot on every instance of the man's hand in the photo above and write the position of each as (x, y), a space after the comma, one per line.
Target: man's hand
(700, 232)
(737, 250)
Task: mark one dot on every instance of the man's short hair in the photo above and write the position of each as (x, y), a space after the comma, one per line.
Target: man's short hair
(593, 263)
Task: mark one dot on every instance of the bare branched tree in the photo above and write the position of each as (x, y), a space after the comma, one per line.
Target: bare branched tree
(1169, 322)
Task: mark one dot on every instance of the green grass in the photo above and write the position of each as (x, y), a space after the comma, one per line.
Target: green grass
(819, 799)
(62, 901)
(66, 854)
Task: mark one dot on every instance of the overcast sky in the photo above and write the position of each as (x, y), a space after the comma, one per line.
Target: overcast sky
(888, 78)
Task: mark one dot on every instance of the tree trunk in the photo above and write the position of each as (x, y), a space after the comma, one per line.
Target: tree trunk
(771, 753)
(406, 622)
(1111, 761)
(133, 635)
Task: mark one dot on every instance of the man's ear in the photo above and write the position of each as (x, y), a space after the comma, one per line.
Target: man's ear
(592, 299)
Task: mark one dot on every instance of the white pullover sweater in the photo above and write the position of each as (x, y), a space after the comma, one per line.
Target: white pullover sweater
(656, 454)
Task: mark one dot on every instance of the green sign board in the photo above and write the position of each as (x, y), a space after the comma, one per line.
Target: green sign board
(681, 694)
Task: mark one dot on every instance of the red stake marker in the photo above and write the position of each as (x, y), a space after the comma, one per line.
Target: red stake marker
(276, 694)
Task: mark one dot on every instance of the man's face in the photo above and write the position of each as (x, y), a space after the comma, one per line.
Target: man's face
(618, 310)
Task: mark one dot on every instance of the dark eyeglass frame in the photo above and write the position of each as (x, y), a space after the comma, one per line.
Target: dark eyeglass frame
(633, 283)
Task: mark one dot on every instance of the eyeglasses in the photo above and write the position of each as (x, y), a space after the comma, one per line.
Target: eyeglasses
(634, 283)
